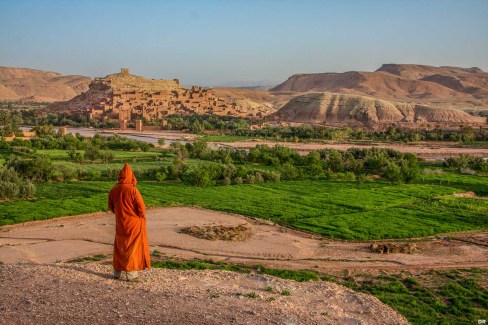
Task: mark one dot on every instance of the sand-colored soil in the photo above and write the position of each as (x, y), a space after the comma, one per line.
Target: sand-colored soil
(67, 238)
(85, 294)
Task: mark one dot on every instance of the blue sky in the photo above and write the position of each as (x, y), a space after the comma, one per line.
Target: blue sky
(215, 42)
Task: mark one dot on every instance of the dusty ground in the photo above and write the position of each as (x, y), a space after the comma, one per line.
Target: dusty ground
(67, 238)
(35, 289)
(85, 294)
(426, 150)
(166, 134)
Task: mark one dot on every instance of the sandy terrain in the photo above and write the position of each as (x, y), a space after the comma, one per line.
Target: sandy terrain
(166, 134)
(434, 150)
(85, 294)
(67, 238)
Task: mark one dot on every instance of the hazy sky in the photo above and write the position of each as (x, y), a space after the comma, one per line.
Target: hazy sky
(214, 42)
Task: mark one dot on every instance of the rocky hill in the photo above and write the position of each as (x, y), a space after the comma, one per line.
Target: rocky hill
(21, 84)
(436, 86)
(254, 99)
(354, 110)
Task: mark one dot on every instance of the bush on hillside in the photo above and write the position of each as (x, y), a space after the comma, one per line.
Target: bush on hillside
(13, 186)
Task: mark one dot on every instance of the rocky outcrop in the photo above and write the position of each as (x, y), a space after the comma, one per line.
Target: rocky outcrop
(340, 109)
(20, 84)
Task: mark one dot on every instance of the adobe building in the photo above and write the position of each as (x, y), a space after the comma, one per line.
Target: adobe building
(126, 98)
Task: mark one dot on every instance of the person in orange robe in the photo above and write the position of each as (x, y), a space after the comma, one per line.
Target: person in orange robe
(131, 248)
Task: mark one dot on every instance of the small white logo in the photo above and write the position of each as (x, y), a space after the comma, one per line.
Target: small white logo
(481, 321)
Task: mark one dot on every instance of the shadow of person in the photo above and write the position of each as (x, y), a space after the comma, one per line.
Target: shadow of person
(85, 270)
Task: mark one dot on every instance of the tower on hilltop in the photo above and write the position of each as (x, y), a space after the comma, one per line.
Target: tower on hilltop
(124, 71)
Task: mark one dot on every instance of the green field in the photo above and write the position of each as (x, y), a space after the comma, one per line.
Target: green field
(118, 154)
(350, 210)
(342, 210)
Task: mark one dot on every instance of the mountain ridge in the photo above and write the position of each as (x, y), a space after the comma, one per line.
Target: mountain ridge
(445, 86)
(32, 85)
(354, 110)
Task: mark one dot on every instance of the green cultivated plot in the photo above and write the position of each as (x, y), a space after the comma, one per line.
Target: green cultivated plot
(118, 154)
(335, 209)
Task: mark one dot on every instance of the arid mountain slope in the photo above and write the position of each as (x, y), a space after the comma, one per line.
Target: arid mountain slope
(254, 100)
(342, 109)
(437, 86)
(20, 84)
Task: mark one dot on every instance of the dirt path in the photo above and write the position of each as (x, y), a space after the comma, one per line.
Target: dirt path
(67, 238)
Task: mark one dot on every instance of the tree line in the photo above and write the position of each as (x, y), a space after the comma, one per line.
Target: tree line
(236, 166)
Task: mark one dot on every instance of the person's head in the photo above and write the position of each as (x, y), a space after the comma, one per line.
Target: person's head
(126, 176)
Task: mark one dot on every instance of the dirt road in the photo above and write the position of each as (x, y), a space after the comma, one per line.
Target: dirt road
(67, 238)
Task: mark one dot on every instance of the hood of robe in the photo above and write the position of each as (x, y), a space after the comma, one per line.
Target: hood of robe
(126, 176)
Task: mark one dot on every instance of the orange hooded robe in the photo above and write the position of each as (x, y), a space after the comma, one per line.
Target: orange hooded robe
(131, 248)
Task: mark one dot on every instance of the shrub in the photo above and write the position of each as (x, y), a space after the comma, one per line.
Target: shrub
(229, 171)
(9, 190)
(107, 156)
(27, 189)
(285, 292)
(226, 181)
(22, 150)
(271, 176)
(251, 179)
(92, 152)
(138, 172)
(76, 156)
(349, 176)
(361, 178)
(204, 175)
(13, 186)
(288, 171)
(113, 173)
(63, 173)
(92, 175)
(409, 172)
(44, 130)
(177, 169)
(392, 172)
(259, 178)
(37, 169)
(161, 176)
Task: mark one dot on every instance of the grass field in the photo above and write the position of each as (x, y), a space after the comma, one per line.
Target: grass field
(342, 210)
(118, 154)
(345, 210)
